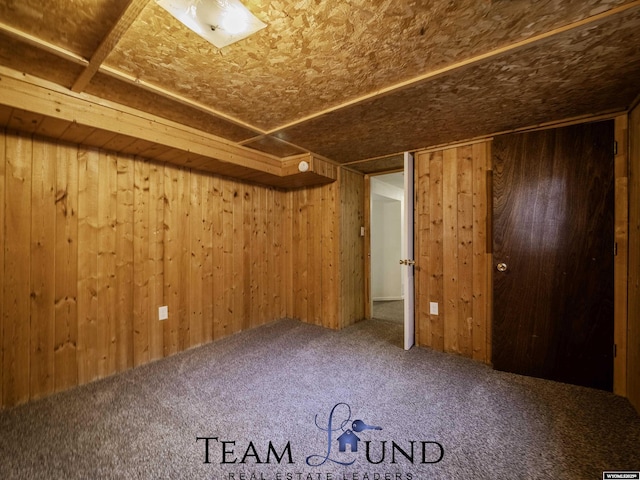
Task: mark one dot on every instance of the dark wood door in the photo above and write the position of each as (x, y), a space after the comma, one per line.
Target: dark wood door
(553, 228)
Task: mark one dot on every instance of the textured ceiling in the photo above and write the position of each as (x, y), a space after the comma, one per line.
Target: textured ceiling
(348, 80)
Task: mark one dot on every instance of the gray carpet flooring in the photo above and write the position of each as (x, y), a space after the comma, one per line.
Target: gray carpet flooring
(267, 395)
(390, 310)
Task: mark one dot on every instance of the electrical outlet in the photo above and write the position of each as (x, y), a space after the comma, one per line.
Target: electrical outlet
(433, 308)
(163, 313)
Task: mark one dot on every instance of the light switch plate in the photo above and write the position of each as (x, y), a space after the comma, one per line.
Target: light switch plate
(163, 313)
(433, 308)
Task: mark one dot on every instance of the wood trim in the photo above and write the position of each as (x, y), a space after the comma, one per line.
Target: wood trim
(367, 247)
(128, 16)
(42, 44)
(621, 219)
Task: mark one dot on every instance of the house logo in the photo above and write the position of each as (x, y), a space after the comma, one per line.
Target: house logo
(347, 439)
(346, 433)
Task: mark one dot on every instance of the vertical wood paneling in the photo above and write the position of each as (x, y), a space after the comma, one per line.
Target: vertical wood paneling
(421, 249)
(124, 263)
(227, 320)
(196, 261)
(245, 272)
(2, 265)
(16, 328)
(43, 235)
(156, 259)
(141, 263)
(435, 248)
(93, 243)
(351, 267)
(107, 299)
(465, 250)
(621, 235)
(481, 267)
(450, 250)
(66, 277)
(452, 266)
(207, 215)
(219, 307)
(88, 185)
(633, 335)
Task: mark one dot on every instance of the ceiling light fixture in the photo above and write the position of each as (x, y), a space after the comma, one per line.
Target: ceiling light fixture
(221, 22)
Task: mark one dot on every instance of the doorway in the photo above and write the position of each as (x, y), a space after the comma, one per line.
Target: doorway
(386, 227)
(553, 283)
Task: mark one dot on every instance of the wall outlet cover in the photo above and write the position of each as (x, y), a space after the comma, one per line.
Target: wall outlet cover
(163, 313)
(433, 308)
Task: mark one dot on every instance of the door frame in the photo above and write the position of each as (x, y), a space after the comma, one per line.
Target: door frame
(368, 300)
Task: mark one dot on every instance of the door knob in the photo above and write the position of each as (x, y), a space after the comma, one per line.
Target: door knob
(502, 267)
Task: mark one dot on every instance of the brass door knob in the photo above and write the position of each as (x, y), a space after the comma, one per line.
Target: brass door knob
(502, 267)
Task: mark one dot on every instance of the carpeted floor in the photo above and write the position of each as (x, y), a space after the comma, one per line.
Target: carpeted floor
(264, 398)
(390, 310)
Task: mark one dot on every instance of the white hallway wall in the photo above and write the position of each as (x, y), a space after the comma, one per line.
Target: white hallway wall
(386, 240)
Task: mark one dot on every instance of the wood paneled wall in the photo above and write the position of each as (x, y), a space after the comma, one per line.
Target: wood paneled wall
(451, 250)
(315, 246)
(93, 243)
(633, 338)
(352, 203)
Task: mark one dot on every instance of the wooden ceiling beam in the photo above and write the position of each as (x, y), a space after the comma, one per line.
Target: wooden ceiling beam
(23, 91)
(128, 16)
(41, 44)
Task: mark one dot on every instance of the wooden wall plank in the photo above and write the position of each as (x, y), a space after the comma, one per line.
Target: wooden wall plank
(349, 218)
(227, 320)
(288, 232)
(107, 299)
(239, 249)
(450, 250)
(435, 248)
(124, 263)
(245, 273)
(156, 259)
(3, 141)
(207, 215)
(480, 281)
(16, 331)
(633, 332)
(314, 279)
(219, 255)
(621, 219)
(196, 260)
(141, 263)
(451, 246)
(421, 249)
(43, 236)
(66, 271)
(88, 187)
(465, 249)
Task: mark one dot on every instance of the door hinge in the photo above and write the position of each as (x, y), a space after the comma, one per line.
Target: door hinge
(615, 147)
(615, 249)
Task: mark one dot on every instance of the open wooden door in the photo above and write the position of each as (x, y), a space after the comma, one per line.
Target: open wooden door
(553, 248)
(408, 255)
